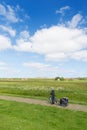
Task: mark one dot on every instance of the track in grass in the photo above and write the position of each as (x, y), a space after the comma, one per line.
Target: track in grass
(75, 107)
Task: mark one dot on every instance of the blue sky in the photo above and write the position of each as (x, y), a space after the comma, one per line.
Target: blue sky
(43, 38)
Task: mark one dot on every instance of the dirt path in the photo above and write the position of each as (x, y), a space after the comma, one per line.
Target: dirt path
(75, 107)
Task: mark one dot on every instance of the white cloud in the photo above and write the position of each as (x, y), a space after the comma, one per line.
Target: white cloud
(75, 21)
(56, 56)
(2, 64)
(2, 10)
(57, 39)
(3, 68)
(56, 42)
(9, 13)
(36, 65)
(62, 10)
(5, 43)
(8, 29)
(80, 55)
(23, 43)
(43, 70)
(11, 16)
(24, 35)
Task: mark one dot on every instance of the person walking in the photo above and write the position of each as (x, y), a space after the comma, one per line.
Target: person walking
(52, 94)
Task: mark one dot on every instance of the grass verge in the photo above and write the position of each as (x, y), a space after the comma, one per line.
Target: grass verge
(22, 116)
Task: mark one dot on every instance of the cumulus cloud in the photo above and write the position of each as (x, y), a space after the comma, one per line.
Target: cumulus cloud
(24, 35)
(2, 10)
(80, 55)
(9, 13)
(23, 43)
(8, 30)
(36, 65)
(11, 16)
(62, 10)
(56, 56)
(3, 65)
(75, 21)
(44, 69)
(59, 42)
(5, 43)
(3, 68)
(56, 42)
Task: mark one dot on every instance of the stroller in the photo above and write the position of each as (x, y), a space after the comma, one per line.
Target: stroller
(63, 101)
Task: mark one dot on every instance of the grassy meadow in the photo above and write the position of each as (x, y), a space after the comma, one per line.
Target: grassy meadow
(75, 90)
(22, 116)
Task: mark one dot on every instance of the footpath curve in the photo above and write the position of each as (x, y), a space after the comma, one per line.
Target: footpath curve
(75, 107)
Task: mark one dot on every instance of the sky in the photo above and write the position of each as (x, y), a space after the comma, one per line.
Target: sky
(43, 38)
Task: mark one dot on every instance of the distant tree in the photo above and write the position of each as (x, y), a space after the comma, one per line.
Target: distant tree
(81, 78)
(59, 78)
(62, 78)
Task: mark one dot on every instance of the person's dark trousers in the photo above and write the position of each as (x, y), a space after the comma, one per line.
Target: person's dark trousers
(53, 99)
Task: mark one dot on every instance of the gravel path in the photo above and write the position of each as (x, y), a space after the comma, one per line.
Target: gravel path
(75, 107)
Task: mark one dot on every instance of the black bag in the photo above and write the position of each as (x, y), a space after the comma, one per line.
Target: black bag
(64, 101)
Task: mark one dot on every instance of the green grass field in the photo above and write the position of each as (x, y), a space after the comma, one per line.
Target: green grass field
(75, 90)
(22, 116)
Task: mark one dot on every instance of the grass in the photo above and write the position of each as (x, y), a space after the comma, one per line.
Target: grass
(22, 116)
(75, 90)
